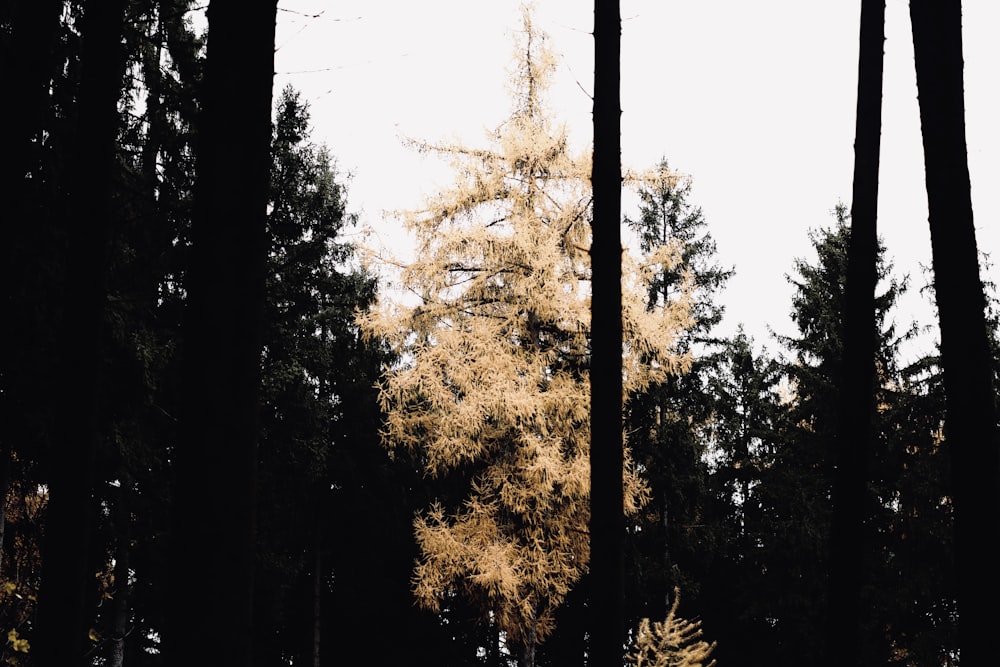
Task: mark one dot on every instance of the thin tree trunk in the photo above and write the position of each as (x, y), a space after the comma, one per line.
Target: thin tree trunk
(850, 541)
(210, 613)
(61, 612)
(526, 656)
(122, 600)
(5, 466)
(970, 396)
(607, 527)
(317, 629)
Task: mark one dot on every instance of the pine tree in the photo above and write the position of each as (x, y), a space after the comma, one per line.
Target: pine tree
(743, 437)
(795, 491)
(493, 392)
(667, 423)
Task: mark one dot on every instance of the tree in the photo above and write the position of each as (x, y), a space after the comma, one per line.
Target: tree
(215, 456)
(320, 521)
(666, 215)
(850, 545)
(668, 422)
(970, 392)
(743, 437)
(795, 489)
(607, 521)
(493, 395)
(674, 642)
(61, 615)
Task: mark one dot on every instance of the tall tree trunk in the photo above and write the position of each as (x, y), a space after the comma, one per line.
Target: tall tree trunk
(850, 541)
(970, 396)
(607, 524)
(26, 69)
(62, 621)
(210, 614)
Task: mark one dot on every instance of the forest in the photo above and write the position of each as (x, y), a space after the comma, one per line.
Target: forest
(232, 434)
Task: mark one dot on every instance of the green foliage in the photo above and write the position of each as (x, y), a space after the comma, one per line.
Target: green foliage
(666, 215)
(774, 434)
(315, 373)
(668, 422)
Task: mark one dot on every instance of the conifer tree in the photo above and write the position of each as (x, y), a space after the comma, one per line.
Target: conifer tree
(494, 390)
(674, 642)
(667, 422)
(795, 534)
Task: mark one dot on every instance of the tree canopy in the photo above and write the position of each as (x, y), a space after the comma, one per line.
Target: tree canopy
(492, 385)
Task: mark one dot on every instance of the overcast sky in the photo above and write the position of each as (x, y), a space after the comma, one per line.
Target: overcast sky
(755, 100)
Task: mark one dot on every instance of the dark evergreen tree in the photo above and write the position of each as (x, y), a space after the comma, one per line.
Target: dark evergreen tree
(319, 420)
(148, 265)
(667, 424)
(914, 587)
(742, 436)
(795, 491)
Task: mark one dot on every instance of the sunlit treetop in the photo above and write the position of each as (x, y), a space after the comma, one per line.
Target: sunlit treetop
(495, 382)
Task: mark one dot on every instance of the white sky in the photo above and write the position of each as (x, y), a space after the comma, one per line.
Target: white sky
(755, 100)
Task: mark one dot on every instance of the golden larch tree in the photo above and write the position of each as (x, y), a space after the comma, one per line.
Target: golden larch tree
(494, 382)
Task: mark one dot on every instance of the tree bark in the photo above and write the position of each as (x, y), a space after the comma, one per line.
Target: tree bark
(123, 555)
(850, 542)
(62, 621)
(210, 614)
(970, 396)
(607, 526)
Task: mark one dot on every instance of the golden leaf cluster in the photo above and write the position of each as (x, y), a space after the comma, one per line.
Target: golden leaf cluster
(494, 381)
(673, 643)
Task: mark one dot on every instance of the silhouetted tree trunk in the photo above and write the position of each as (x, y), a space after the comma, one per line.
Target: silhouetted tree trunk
(62, 623)
(607, 524)
(121, 606)
(970, 397)
(26, 68)
(5, 469)
(210, 614)
(850, 542)
(317, 595)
